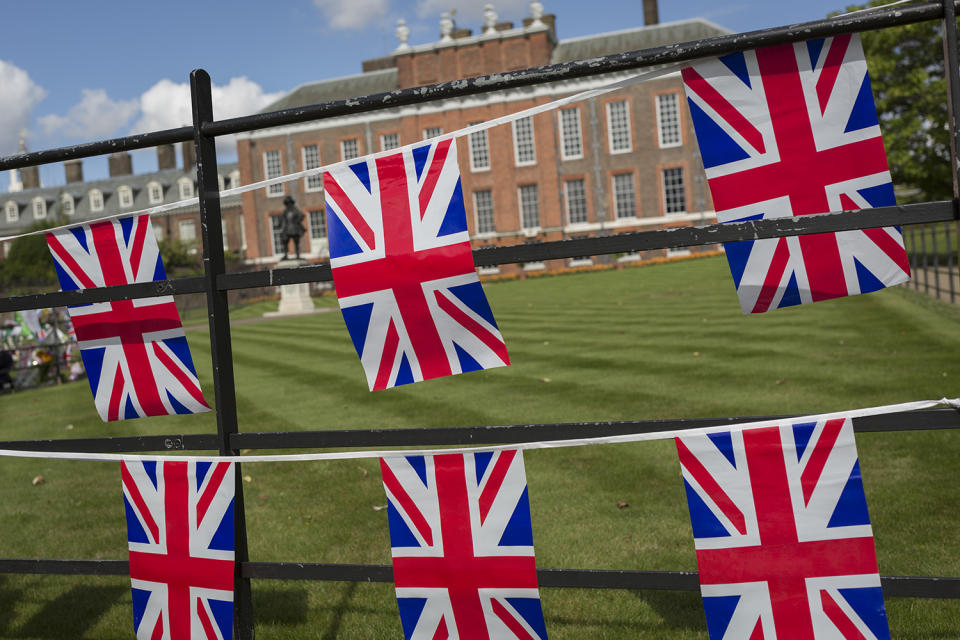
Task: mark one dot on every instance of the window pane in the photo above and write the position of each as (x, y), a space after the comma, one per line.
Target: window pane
(349, 149)
(389, 141)
(66, 205)
(318, 224)
(624, 199)
(432, 132)
(479, 151)
(276, 224)
(529, 206)
(39, 209)
(523, 141)
(272, 169)
(618, 125)
(188, 230)
(576, 193)
(154, 193)
(483, 203)
(570, 138)
(674, 194)
(311, 160)
(668, 120)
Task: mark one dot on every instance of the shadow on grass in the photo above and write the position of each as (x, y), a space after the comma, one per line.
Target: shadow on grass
(76, 610)
(8, 596)
(339, 610)
(677, 609)
(280, 606)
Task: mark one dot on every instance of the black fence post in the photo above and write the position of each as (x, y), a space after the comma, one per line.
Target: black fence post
(218, 311)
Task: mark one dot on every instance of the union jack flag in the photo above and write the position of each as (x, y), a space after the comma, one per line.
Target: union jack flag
(403, 269)
(783, 537)
(180, 531)
(134, 351)
(792, 130)
(462, 546)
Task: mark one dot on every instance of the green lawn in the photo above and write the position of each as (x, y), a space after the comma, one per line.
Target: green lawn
(653, 342)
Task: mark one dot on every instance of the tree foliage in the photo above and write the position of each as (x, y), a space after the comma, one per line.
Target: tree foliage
(907, 73)
(28, 265)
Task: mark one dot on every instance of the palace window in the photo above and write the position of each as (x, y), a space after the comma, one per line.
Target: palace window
(576, 196)
(571, 140)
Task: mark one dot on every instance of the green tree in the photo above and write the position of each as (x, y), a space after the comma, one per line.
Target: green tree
(907, 73)
(28, 265)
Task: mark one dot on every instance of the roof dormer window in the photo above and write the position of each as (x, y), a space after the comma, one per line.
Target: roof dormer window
(96, 200)
(12, 211)
(154, 193)
(125, 197)
(39, 208)
(186, 188)
(234, 179)
(67, 204)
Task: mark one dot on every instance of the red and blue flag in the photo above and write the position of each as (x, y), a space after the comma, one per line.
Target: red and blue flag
(134, 351)
(180, 529)
(403, 268)
(792, 130)
(782, 533)
(462, 543)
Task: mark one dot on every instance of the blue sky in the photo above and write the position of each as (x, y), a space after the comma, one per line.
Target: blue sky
(77, 71)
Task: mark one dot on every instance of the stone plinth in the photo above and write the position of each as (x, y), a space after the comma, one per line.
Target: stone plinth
(294, 298)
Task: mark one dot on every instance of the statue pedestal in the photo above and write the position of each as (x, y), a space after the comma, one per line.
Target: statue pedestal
(294, 298)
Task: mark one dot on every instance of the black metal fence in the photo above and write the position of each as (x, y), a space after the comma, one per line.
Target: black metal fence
(216, 283)
(932, 249)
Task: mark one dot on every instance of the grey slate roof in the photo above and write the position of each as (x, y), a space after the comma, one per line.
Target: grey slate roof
(657, 35)
(169, 180)
(361, 84)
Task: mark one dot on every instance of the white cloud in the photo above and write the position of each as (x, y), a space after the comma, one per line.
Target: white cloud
(95, 116)
(19, 96)
(166, 105)
(352, 14)
(472, 11)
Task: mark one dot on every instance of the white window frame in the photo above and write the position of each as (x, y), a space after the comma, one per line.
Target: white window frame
(234, 178)
(124, 197)
(322, 214)
(674, 126)
(39, 207)
(628, 134)
(12, 211)
(476, 213)
(221, 182)
(479, 151)
(273, 170)
(185, 185)
(566, 201)
(383, 140)
(432, 132)
(343, 149)
(154, 192)
(67, 205)
(188, 223)
(315, 182)
(565, 153)
(96, 200)
(663, 191)
(628, 178)
(520, 128)
(520, 207)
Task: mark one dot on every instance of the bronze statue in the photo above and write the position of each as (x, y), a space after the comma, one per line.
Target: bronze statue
(292, 226)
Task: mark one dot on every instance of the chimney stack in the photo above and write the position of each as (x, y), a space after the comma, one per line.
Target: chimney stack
(651, 14)
(120, 164)
(166, 157)
(189, 155)
(30, 177)
(74, 170)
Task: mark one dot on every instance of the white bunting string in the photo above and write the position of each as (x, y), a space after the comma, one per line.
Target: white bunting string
(546, 444)
(459, 133)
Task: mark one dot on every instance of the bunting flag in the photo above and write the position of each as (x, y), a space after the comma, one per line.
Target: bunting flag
(180, 529)
(783, 537)
(462, 546)
(403, 269)
(134, 351)
(791, 130)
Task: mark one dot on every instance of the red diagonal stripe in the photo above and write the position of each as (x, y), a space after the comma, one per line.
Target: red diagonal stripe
(771, 283)
(205, 621)
(192, 388)
(342, 200)
(839, 618)
(490, 340)
(158, 629)
(889, 246)
(387, 357)
(512, 623)
(723, 108)
(113, 408)
(495, 481)
(140, 225)
(409, 506)
(831, 68)
(442, 633)
(818, 457)
(219, 470)
(433, 175)
(138, 500)
(757, 631)
(54, 243)
(708, 484)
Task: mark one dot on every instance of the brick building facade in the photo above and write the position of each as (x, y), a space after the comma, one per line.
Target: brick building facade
(623, 161)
